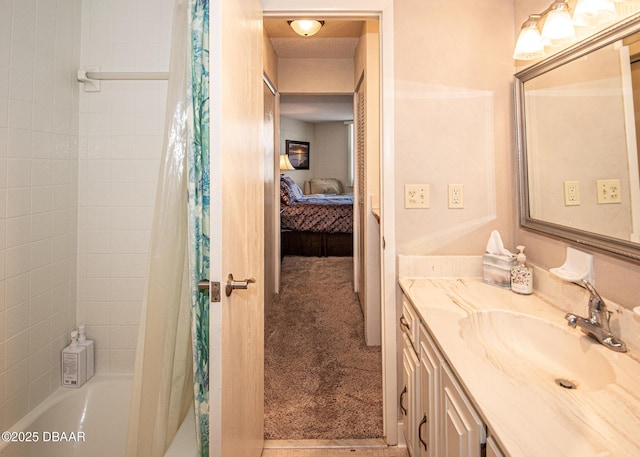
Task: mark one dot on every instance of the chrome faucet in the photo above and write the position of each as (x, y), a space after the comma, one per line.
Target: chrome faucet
(597, 325)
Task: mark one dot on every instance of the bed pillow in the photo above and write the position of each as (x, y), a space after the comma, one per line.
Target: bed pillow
(325, 186)
(290, 192)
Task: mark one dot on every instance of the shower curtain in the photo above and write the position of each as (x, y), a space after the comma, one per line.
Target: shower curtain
(171, 369)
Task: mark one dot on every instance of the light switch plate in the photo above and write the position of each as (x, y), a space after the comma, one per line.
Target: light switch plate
(416, 196)
(608, 191)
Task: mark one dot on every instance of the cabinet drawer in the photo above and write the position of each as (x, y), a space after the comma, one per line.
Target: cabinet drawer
(409, 322)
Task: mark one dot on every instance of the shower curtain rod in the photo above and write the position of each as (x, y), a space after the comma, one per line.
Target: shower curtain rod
(127, 75)
(91, 77)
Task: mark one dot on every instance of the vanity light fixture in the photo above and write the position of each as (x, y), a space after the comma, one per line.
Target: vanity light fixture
(529, 45)
(594, 13)
(557, 30)
(306, 27)
(558, 26)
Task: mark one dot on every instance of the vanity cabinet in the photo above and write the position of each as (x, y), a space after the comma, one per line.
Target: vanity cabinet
(438, 417)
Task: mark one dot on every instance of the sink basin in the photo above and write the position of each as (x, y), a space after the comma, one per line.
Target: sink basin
(535, 350)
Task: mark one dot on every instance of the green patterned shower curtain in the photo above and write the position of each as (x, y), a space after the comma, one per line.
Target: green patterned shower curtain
(198, 192)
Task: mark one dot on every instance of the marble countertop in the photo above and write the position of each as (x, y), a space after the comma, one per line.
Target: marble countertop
(530, 416)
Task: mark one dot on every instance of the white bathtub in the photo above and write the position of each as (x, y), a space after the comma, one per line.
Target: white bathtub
(90, 422)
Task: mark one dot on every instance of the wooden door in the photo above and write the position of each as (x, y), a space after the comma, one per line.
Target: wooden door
(237, 229)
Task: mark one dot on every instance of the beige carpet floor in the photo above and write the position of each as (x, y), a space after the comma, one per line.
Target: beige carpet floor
(321, 380)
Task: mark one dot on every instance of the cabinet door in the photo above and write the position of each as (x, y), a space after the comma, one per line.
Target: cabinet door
(464, 433)
(409, 395)
(430, 360)
(492, 448)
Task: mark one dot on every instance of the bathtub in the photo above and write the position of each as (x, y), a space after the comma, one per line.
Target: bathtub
(90, 421)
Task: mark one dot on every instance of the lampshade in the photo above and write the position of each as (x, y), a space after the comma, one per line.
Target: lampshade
(594, 13)
(306, 27)
(558, 27)
(285, 163)
(529, 45)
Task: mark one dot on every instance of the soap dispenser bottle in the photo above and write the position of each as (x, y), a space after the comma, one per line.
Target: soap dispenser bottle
(88, 344)
(74, 363)
(521, 274)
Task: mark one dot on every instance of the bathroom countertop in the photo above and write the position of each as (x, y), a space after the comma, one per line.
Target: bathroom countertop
(529, 415)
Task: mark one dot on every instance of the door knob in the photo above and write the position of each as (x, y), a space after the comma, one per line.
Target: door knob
(232, 284)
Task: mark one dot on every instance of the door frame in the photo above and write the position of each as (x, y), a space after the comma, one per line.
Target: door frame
(383, 10)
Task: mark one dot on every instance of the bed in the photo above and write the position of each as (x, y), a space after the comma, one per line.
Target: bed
(318, 223)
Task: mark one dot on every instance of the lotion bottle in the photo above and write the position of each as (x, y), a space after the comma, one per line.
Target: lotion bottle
(88, 344)
(521, 274)
(74, 363)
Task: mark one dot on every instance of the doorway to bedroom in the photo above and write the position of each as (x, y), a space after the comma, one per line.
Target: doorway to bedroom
(323, 371)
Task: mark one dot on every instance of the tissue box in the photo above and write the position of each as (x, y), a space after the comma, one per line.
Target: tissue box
(496, 269)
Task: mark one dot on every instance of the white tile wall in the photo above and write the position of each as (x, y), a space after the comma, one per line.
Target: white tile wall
(77, 183)
(121, 130)
(39, 55)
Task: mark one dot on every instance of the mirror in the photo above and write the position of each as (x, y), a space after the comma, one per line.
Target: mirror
(578, 126)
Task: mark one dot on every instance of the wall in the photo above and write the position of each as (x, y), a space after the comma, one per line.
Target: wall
(121, 130)
(39, 54)
(330, 152)
(316, 76)
(293, 129)
(270, 60)
(453, 122)
(616, 279)
(328, 149)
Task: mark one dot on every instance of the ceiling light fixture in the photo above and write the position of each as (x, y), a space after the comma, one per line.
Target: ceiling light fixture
(306, 27)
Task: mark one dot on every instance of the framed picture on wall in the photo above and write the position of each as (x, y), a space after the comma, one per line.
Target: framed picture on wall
(298, 152)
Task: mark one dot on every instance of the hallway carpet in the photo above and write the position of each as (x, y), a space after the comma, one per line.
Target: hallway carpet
(321, 380)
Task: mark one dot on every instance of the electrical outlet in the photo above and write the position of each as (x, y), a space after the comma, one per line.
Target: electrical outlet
(571, 193)
(416, 196)
(456, 196)
(608, 191)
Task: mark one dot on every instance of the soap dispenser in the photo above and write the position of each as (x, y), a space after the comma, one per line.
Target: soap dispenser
(88, 344)
(74, 363)
(521, 274)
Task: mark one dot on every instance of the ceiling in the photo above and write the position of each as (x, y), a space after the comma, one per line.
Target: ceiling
(337, 39)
